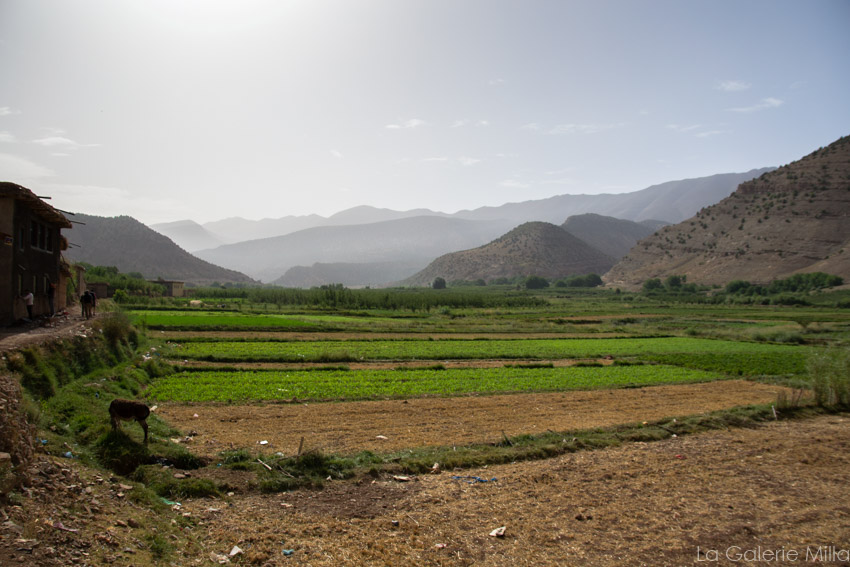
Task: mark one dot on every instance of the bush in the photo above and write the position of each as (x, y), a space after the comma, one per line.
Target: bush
(829, 372)
(121, 296)
(674, 282)
(117, 330)
(588, 280)
(536, 282)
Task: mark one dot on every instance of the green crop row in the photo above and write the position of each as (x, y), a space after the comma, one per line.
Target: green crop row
(236, 386)
(211, 320)
(342, 351)
(775, 363)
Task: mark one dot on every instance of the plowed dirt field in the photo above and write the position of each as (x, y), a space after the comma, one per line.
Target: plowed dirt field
(349, 427)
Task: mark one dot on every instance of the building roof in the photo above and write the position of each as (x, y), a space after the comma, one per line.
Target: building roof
(42, 209)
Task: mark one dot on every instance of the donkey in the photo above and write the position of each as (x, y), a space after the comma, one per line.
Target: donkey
(129, 410)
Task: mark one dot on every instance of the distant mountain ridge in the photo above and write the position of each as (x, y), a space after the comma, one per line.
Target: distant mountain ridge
(669, 202)
(193, 236)
(672, 201)
(131, 246)
(189, 234)
(407, 240)
(534, 248)
(791, 220)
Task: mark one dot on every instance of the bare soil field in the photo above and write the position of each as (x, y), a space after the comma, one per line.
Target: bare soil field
(729, 497)
(349, 427)
(717, 498)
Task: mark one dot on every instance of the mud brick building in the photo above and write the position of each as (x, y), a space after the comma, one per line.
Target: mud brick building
(31, 247)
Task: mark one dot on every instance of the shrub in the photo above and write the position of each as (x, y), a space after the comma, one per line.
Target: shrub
(829, 372)
(121, 296)
(674, 282)
(536, 282)
(588, 280)
(117, 330)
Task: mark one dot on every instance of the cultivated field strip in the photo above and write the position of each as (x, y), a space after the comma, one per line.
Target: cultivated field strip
(322, 385)
(213, 319)
(789, 357)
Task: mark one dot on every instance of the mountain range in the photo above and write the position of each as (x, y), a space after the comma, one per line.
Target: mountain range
(395, 243)
(375, 247)
(414, 241)
(671, 202)
(792, 220)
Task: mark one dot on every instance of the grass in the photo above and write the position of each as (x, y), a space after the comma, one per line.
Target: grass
(213, 320)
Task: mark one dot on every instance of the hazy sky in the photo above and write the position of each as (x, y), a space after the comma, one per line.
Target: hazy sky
(206, 109)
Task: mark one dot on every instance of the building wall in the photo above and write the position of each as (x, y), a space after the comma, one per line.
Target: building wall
(7, 233)
(29, 259)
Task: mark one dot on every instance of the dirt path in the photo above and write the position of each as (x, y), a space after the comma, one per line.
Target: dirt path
(44, 330)
(348, 427)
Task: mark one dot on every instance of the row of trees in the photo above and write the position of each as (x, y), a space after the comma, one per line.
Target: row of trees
(796, 283)
(528, 282)
(794, 290)
(131, 283)
(337, 296)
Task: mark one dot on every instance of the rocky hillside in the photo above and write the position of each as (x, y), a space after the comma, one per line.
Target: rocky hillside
(612, 236)
(130, 246)
(794, 219)
(534, 248)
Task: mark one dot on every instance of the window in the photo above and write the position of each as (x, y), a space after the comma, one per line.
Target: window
(41, 236)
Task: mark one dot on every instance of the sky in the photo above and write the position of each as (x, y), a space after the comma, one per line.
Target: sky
(207, 109)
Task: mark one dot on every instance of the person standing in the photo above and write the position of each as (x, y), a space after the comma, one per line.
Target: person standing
(28, 298)
(85, 303)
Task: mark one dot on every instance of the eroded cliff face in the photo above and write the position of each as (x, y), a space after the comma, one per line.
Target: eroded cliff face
(793, 219)
(16, 435)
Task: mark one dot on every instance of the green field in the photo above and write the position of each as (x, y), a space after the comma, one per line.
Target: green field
(212, 320)
(776, 359)
(320, 385)
(652, 341)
